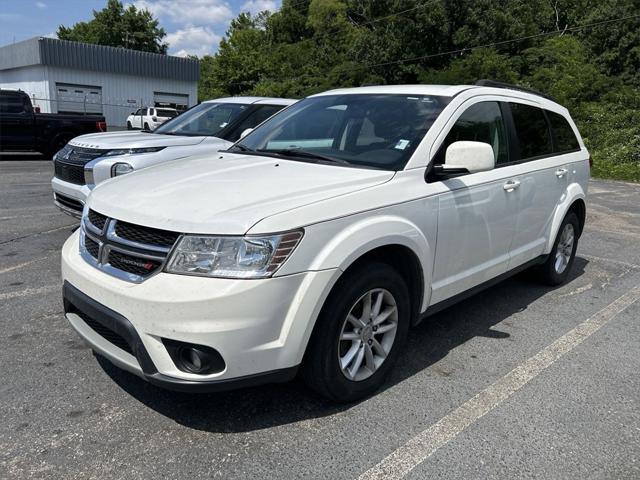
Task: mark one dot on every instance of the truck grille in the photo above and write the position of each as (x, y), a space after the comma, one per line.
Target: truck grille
(124, 250)
(70, 161)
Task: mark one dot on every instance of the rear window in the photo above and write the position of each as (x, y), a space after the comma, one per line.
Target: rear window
(532, 130)
(11, 103)
(564, 138)
(166, 113)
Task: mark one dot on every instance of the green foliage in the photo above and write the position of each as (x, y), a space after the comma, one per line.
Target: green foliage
(116, 26)
(316, 45)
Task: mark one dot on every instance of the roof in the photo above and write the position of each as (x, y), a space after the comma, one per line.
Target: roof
(247, 100)
(434, 90)
(445, 91)
(86, 56)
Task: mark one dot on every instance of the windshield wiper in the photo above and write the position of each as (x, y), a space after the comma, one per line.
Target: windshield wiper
(241, 147)
(298, 152)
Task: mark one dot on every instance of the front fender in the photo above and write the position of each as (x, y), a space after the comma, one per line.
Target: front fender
(574, 192)
(339, 243)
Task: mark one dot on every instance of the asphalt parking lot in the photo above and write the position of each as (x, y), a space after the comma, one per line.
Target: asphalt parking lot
(521, 381)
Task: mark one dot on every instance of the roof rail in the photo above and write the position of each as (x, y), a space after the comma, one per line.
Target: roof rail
(492, 83)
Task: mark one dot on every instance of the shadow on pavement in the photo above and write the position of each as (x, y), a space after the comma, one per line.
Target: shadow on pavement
(21, 156)
(272, 405)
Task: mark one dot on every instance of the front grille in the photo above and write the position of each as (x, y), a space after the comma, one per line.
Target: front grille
(133, 264)
(69, 173)
(152, 236)
(70, 161)
(97, 219)
(124, 250)
(82, 156)
(92, 247)
(68, 202)
(106, 333)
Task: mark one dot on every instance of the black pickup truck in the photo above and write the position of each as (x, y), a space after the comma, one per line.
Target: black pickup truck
(23, 129)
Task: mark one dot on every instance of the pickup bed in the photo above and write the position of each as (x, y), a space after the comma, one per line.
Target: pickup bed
(22, 129)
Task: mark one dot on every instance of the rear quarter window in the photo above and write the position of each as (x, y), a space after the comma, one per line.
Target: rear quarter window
(532, 129)
(564, 138)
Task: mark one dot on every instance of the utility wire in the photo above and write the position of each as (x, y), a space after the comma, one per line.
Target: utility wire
(460, 50)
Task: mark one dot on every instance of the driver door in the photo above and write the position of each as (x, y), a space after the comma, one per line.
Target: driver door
(477, 212)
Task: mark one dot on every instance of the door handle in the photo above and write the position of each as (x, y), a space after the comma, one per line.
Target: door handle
(561, 172)
(511, 185)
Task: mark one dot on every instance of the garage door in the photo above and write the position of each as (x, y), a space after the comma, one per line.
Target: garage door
(179, 101)
(78, 98)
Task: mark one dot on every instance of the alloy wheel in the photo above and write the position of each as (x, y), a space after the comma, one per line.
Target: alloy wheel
(564, 250)
(368, 334)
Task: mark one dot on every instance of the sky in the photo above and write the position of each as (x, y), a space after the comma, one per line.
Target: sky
(194, 27)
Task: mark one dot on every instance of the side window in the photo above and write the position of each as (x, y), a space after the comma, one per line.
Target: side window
(481, 122)
(532, 130)
(254, 119)
(12, 104)
(564, 138)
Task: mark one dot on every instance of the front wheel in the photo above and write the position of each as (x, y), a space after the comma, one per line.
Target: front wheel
(129, 126)
(558, 265)
(359, 333)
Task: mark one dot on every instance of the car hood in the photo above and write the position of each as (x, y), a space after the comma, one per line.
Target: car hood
(134, 140)
(225, 193)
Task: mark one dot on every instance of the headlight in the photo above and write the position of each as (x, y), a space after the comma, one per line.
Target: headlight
(132, 151)
(232, 257)
(118, 169)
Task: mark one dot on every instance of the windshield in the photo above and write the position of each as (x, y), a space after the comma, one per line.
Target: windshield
(161, 112)
(203, 120)
(362, 130)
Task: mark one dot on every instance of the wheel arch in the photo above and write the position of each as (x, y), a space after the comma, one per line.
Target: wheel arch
(574, 200)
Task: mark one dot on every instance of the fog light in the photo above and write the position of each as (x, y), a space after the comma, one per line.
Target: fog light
(191, 358)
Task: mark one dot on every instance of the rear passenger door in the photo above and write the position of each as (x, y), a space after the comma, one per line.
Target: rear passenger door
(543, 176)
(477, 212)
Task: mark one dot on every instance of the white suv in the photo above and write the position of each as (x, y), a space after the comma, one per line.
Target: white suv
(150, 118)
(319, 239)
(209, 126)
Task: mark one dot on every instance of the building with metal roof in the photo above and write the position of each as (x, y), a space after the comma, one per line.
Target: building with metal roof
(62, 76)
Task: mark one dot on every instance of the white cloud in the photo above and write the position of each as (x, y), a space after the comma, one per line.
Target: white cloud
(193, 40)
(189, 12)
(257, 6)
(41, 5)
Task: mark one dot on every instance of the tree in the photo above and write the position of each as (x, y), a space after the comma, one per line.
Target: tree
(116, 26)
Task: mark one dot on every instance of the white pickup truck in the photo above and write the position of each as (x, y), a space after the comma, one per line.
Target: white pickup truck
(210, 126)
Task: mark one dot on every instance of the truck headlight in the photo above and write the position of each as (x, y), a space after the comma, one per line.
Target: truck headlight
(118, 169)
(232, 257)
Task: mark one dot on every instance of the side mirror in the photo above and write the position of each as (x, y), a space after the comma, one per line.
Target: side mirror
(36, 109)
(470, 156)
(246, 132)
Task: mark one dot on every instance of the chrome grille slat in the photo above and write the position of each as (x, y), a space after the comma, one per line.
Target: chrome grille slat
(122, 257)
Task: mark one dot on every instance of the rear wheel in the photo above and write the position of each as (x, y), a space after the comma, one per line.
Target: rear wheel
(146, 127)
(558, 265)
(359, 333)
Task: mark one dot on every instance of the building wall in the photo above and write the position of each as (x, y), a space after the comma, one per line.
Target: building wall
(32, 80)
(121, 94)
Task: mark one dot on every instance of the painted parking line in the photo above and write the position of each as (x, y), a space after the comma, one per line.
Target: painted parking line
(29, 291)
(26, 264)
(419, 448)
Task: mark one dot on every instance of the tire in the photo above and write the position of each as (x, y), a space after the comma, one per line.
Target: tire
(146, 127)
(557, 267)
(129, 126)
(56, 145)
(321, 368)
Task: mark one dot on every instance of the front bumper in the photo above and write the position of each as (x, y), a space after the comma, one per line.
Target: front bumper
(259, 327)
(69, 197)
